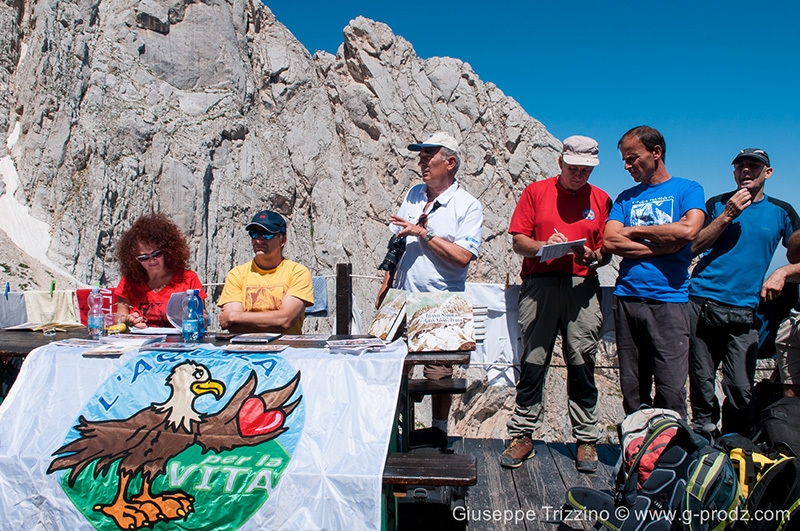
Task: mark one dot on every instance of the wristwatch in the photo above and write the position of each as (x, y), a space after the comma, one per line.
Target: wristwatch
(429, 235)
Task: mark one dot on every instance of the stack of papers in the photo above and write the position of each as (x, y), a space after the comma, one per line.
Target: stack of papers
(136, 340)
(115, 345)
(255, 338)
(61, 327)
(172, 346)
(354, 346)
(156, 331)
(253, 348)
(108, 350)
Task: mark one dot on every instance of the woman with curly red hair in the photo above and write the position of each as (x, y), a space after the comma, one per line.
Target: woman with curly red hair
(154, 262)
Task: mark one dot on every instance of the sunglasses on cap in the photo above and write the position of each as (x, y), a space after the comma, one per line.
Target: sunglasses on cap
(151, 256)
(264, 235)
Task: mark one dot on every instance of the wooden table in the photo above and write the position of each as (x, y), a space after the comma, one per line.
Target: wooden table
(18, 343)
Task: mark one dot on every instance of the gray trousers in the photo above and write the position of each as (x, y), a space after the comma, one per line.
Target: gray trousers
(736, 349)
(550, 305)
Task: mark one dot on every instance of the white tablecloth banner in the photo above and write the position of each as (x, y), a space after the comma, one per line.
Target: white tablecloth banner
(323, 472)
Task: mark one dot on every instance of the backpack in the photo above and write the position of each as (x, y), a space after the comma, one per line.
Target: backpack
(780, 426)
(750, 460)
(647, 428)
(774, 502)
(687, 481)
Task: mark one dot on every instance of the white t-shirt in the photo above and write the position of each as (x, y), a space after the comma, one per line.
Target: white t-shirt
(458, 219)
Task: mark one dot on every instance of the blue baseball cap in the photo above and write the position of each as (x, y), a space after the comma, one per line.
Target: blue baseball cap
(269, 221)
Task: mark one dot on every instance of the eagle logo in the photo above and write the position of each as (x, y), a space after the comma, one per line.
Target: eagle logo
(137, 455)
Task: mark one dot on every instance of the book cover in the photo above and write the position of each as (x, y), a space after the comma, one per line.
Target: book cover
(390, 316)
(440, 321)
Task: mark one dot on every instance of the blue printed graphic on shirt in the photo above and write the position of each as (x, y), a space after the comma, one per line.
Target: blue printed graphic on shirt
(656, 211)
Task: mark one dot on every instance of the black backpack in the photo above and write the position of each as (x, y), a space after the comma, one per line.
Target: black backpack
(780, 426)
(774, 502)
(690, 480)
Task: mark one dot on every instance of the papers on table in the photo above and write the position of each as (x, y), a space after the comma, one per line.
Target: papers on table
(172, 346)
(134, 340)
(156, 331)
(61, 327)
(108, 350)
(264, 337)
(557, 250)
(354, 346)
(252, 348)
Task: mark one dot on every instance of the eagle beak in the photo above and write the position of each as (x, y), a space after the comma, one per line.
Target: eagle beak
(211, 386)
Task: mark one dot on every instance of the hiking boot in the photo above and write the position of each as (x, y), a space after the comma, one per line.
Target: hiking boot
(586, 458)
(520, 449)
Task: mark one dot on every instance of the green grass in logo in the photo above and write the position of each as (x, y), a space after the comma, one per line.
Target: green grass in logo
(228, 488)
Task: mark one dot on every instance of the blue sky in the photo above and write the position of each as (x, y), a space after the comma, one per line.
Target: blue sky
(713, 77)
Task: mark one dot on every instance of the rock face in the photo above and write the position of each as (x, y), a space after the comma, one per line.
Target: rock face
(210, 111)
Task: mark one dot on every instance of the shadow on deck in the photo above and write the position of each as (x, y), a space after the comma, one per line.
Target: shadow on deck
(527, 498)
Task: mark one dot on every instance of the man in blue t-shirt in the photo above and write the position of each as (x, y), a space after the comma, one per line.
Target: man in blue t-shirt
(736, 245)
(651, 226)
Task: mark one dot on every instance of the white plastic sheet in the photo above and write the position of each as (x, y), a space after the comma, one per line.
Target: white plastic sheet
(333, 480)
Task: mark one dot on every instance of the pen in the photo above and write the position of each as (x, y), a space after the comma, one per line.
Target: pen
(555, 230)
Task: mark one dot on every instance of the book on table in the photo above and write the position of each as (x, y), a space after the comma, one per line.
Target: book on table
(440, 321)
(390, 317)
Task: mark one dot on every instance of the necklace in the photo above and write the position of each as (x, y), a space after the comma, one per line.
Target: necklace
(160, 285)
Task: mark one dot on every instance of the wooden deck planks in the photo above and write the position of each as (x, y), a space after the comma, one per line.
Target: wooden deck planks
(526, 497)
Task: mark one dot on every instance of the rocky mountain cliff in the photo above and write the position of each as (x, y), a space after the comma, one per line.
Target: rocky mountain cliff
(210, 111)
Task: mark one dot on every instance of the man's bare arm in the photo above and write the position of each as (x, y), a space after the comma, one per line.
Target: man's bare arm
(615, 242)
(235, 319)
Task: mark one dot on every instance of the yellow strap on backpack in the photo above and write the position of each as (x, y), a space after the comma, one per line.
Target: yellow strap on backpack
(750, 466)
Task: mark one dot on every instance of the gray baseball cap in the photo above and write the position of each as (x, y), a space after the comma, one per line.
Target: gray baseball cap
(580, 151)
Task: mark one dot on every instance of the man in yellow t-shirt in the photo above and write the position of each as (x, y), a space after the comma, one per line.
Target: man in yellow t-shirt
(269, 293)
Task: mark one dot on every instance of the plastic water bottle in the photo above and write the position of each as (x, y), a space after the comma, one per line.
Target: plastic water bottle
(95, 320)
(192, 325)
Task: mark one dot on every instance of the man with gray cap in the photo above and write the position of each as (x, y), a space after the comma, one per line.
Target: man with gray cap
(269, 293)
(560, 296)
(742, 231)
(441, 224)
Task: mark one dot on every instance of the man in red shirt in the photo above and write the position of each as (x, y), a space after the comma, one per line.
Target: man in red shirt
(560, 295)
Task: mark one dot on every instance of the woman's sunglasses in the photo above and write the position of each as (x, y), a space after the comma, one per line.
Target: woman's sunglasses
(261, 234)
(151, 256)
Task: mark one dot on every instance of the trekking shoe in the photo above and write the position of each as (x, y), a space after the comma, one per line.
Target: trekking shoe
(520, 449)
(586, 458)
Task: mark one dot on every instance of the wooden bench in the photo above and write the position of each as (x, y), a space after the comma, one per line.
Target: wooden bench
(432, 469)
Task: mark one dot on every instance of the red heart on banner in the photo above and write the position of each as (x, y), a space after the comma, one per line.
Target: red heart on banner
(254, 420)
